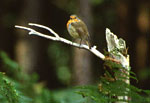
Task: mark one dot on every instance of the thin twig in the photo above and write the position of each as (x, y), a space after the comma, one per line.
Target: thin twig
(56, 37)
(47, 28)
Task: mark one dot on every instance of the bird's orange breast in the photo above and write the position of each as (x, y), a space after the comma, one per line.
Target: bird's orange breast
(71, 21)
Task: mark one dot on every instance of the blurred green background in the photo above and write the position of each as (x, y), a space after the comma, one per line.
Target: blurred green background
(61, 66)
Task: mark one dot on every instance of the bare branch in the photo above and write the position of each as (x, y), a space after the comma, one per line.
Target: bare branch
(34, 32)
(47, 28)
(56, 37)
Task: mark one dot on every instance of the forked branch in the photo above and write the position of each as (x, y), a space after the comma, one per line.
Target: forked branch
(56, 37)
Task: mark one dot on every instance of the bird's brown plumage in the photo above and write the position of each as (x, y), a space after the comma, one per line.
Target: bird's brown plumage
(77, 29)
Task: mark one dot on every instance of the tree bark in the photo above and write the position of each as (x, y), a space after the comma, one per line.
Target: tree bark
(142, 48)
(26, 48)
(82, 71)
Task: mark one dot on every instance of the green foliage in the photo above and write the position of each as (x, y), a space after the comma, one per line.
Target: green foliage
(93, 93)
(19, 87)
(120, 88)
(61, 58)
(9, 66)
(7, 91)
(113, 87)
(109, 91)
(68, 96)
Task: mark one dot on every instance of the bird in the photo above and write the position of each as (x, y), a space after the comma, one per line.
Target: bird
(78, 29)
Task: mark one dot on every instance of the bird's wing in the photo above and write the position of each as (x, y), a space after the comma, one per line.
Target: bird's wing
(81, 29)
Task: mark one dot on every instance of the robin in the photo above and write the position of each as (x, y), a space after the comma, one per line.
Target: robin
(78, 30)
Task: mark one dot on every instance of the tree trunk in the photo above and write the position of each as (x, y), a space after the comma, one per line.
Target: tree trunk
(26, 47)
(82, 58)
(142, 48)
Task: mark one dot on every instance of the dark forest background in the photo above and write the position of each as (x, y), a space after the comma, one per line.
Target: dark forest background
(60, 65)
